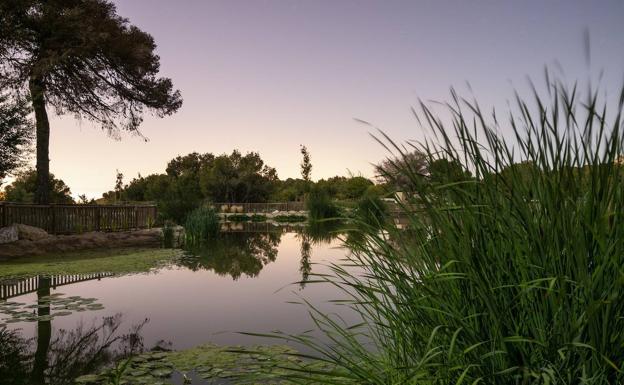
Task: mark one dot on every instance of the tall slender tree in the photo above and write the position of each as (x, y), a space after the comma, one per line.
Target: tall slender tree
(306, 164)
(81, 58)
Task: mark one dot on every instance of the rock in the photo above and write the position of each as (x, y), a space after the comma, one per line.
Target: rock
(31, 233)
(67, 243)
(9, 234)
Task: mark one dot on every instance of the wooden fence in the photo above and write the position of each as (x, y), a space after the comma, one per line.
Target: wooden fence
(71, 219)
(252, 208)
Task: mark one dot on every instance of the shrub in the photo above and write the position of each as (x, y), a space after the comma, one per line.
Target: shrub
(514, 277)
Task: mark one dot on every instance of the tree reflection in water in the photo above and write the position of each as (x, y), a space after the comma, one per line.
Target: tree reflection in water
(316, 233)
(70, 354)
(305, 265)
(235, 254)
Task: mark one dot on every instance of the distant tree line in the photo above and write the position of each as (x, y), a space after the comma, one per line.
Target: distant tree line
(190, 180)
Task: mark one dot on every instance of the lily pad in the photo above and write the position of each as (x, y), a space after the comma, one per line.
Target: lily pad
(237, 364)
(88, 379)
(162, 372)
(18, 312)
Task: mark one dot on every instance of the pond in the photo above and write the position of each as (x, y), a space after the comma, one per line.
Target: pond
(55, 328)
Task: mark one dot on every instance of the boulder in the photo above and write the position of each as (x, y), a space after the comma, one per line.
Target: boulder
(9, 234)
(31, 233)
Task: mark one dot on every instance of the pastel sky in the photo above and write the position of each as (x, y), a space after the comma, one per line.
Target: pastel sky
(267, 76)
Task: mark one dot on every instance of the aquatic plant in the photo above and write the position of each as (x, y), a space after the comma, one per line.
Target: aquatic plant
(370, 210)
(213, 363)
(168, 234)
(511, 277)
(61, 306)
(14, 357)
(201, 224)
(320, 205)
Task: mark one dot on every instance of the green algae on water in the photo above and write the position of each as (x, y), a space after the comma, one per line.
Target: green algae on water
(120, 261)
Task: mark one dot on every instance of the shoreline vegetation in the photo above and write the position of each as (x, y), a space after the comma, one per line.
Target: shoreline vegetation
(508, 273)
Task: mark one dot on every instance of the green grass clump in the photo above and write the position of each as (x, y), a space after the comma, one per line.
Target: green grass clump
(515, 276)
(201, 224)
(370, 210)
(321, 206)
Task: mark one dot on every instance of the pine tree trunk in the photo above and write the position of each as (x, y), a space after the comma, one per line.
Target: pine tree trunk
(37, 93)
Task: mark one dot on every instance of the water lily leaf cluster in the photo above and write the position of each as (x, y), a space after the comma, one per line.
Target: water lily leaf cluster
(211, 364)
(57, 303)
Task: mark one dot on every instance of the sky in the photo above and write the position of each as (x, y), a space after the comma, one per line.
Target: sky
(268, 76)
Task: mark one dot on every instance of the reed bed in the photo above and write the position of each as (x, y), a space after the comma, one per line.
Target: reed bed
(512, 276)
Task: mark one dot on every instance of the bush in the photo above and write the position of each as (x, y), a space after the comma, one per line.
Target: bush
(201, 224)
(515, 277)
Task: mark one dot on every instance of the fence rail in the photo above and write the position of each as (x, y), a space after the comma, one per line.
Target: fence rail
(71, 219)
(253, 208)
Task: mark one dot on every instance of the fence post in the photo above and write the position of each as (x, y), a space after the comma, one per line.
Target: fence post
(97, 218)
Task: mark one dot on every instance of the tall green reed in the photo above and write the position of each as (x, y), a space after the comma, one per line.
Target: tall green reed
(320, 205)
(201, 224)
(513, 276)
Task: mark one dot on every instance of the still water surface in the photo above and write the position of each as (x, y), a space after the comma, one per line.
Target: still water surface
(241, 283)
